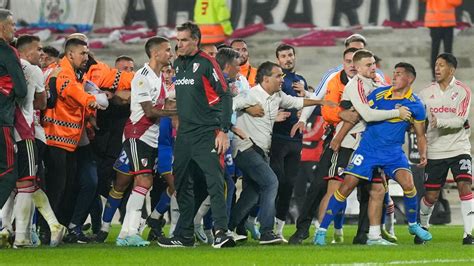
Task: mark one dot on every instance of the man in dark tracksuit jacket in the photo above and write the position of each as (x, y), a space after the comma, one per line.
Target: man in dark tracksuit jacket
(12, 88)
(204, 110)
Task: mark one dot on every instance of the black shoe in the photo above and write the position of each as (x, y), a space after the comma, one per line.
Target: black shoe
(270, 238)
(222, 240)
(467, 240)
(101, 236)
(45, 237)
(86, 227)
(240, 230)
(76, 237)
(176, 242)
(297, 238)
(156, 228)
(360, 239)
(419, 241)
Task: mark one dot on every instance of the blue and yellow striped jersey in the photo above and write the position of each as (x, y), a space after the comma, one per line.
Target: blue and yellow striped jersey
(391, 133)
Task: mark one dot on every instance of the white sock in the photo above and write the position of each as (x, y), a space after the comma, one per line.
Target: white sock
(390, 219)
(134, 209)
(467, 213)
(105, 227)
(155, 214)
(338, 232)
(374, 232)
(316, 224)
(203, 209)
(426, 209)
(279, 224)
(7, 212)
(42, 203)
(174, 214)
(22, 210)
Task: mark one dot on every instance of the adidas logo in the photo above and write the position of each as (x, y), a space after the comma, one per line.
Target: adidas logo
(213, 151)
(176, 242)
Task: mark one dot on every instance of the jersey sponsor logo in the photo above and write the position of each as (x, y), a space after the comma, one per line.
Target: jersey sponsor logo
(195, 67)
(184, 81)
(443, 109)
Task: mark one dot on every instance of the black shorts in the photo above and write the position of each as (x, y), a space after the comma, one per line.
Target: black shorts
(331, 165)
(7, 151)
(436, 171)
(141, 156)
(27, 160)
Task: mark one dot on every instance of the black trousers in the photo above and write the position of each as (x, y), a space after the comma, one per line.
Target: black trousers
(439, 34)
(285, 159)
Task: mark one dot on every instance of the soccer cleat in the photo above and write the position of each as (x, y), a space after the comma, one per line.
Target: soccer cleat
(417, 230)
(121, 242)
(338, 239)
(35, 241)
(101, 236)
(200, 234)
(25, 243)
(468, 240)
(57, 234)
(222, 240)
(156, 228)
(269, 238)
(320, 238)
(360, 239)
(297, 238)
(253, 229)
(389, 237)
(210, 236)
(176, 242)
(379, 242)
(136, 241)
(5, 238)
(237, 237)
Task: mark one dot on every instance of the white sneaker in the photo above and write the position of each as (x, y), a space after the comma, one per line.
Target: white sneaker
(200, 234)
(237, 237)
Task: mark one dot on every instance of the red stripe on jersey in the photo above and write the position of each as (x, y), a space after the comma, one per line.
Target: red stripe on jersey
(21, 125)
(211, 94)
(9, 146)
(360, 89)
(138, 129)
(6, 172)
(465, 103)
(216, 68)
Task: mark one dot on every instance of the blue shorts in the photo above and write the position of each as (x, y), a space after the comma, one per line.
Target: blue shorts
(365, 160)
(122, 164)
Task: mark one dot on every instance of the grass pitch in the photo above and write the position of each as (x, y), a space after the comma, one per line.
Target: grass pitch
(444, 249)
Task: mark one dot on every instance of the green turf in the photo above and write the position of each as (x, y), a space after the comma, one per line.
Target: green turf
(445, 249)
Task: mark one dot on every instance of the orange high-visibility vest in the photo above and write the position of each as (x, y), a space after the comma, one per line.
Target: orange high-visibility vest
(109, 78)
(63, 124)
(441, 13)
(249, 72)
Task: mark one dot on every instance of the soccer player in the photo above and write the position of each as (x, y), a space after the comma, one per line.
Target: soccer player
(447, 103)
(141, 136)
(204, 112)
(381, 146)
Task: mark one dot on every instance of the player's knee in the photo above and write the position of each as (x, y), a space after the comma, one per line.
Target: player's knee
(144, 180)
(464, 187)
(377, 191)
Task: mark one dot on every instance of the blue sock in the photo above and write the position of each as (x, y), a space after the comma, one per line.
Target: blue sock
(113, 202)
(164, 203)
(339, 218)
(336, 204)
(35, 217)
(229, 193)
(207, 220)
(411, 205)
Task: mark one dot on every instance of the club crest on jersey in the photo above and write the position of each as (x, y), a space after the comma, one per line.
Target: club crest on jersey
(432, 96)
(195, 67)
(454, 95)
(177, 69)
(144, 162)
